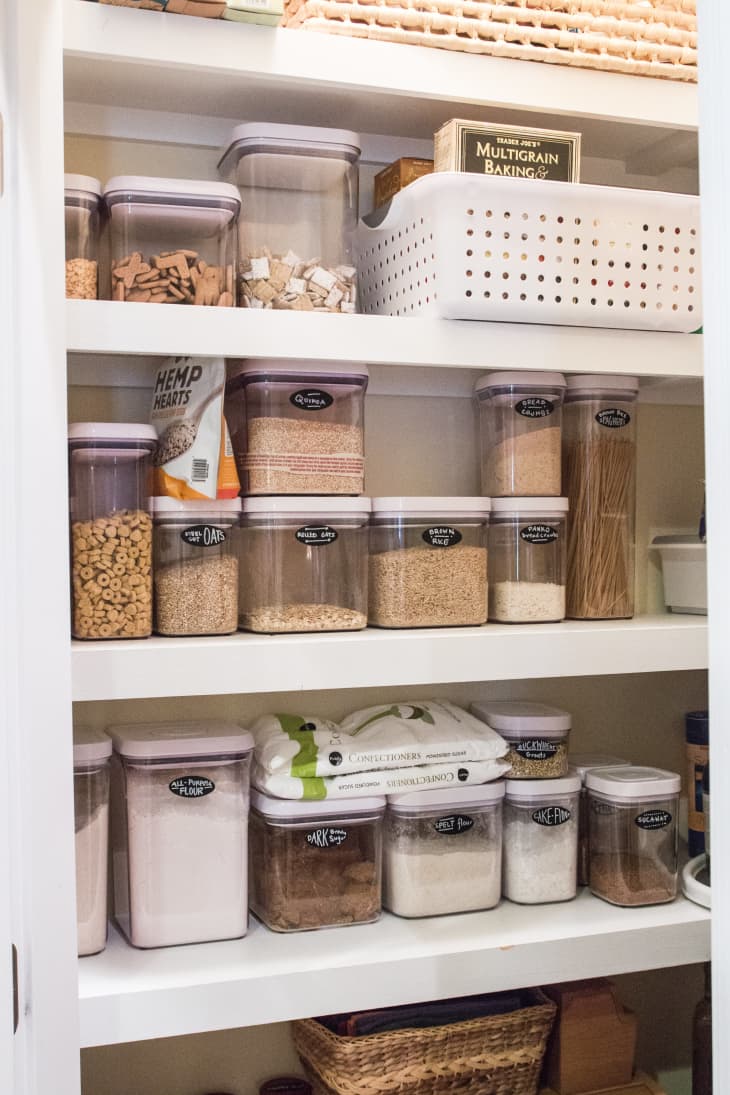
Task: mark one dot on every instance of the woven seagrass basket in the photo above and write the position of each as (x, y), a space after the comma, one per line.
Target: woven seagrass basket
(643, 37)
(495, 1055)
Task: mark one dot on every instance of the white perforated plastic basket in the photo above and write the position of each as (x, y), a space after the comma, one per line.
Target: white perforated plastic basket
(466, 247)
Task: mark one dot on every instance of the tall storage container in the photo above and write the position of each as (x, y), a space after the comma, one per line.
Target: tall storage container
(82, 202)
(92, 753)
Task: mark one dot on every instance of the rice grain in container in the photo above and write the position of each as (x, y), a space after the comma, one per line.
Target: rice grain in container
(537, 736)
(582, 763)
(527, 560)
(92, 753)
(540, 842)
(82, 205)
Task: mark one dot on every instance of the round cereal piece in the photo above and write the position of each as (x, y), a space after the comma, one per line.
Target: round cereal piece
(104, 631)
(103, 580)
(119, 569)
(115, 583)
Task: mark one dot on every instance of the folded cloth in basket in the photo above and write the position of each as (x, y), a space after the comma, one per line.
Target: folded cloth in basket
(433, 1014)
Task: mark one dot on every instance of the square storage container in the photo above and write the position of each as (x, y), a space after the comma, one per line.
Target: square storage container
(633, 834)
(537, 736)
(684, 571)
(82, 203)
(582, 764)
(173, 241)
(315, 864)
(303, 564)
(180, 824)
(428, 562)
(527, 560)
(92, 752)
(540, 840)
(297, 429)
(299, 205)
(442, 851)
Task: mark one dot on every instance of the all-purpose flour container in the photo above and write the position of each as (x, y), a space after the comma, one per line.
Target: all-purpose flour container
(442, 850)
(180, 826)
(527, 560)
(82, 202)
(92, 752)
(537, 736)
(582, 764)
(540, 849)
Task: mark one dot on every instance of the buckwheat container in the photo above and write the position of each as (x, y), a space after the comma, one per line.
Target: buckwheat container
(82, 206)
(527, 560)
(92, 753)
(537, 736)
(540, 842)
(582, 764)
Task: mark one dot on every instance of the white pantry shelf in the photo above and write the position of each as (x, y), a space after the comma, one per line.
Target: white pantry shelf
(247, 663)
(130, 995)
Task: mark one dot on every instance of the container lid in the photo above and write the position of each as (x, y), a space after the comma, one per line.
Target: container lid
(140, 186)
(519, 715)
(697, 727)
(317, 138)
(85, 183)
(529, 505)
(158, 740)
(609, 383)
(267, 365)
(633, 782)
(307, 504)
(111, 431)
(192, 507)
(296, 809)
(431, 507)
(542, 788)
(584, 762)
(90, 745)
(481, 795)
(520, 379)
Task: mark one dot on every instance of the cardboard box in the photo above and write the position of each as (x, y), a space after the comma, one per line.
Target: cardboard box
(397, 176)
(640, 1085)
(593, 1041)
(507, 151)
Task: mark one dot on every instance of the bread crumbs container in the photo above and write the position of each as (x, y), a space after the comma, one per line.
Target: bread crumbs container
(540, 842)
(82, 202)
(520, 420)
(442, 850)
(315, 864)
(297, 429)
(195, 566)
(111, 530)
(173, 241)
(92, 752)
(537, 736)
(299, 208)
(179, 831)
(582, 764)
(303, 564)
(527, 560)
(633, 834)
(428, 562)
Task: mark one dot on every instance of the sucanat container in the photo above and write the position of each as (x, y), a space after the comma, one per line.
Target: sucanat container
(92, 753)
(82, 215)
(527, 560)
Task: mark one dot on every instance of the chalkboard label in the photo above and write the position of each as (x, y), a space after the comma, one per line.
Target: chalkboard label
(203, 536)
(311, 399)
(441, 536)
(653, 819)
(535, 407)
(538, 534)
(551, 815)
(315, 535)
(326, 837)
(191, 786)
(535, 749)
(613, 418)
(453, 824)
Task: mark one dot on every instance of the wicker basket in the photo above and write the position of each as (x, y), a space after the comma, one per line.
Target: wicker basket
(645, 38)
(496, 1055)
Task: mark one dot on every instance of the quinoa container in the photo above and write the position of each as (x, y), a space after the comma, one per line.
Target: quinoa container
(111, 530)
(540, 841)
(92, 753)
(428, 562)
(303, 564)
(442, 851)
(520, 420)
(527, 560)
(173, 241)
(82, 205)
(582, 764)
(537, 736)
(179, 831)
(299, 207)
(633, 834)
(315, 864)
(297, 429)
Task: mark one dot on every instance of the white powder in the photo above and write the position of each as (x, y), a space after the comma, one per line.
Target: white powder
(526, 602)
(92, 841)
(426, 884)
(539, 860)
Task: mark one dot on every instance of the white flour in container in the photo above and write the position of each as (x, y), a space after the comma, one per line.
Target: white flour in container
(540, 860)
(526, 602)
(91, 877)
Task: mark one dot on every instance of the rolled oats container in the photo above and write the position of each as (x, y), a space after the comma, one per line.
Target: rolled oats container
(82, 215)
(537, 736)
(582, 764)
(540, 842)
(527, 560)
(92, 753)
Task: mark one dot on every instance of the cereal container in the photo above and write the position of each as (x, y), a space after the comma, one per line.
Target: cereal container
(537, 736)
(315, 864)
(195, 566)
(173, 241)
(303, 564)
(582, 764)
(82, 201)
(428, 562)
(527, 551)
(633, 834)
(297, 428)
(179, 831)
(111, 530)
(540, 848)
(442, 850)
(299, 207)
(520, 419)
(91, 808)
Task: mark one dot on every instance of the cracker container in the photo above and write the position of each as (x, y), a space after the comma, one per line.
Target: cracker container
(82, 201)
(91, 808)
(299, 207)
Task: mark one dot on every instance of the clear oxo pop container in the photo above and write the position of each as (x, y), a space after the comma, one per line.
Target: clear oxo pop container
(297, 429)
(527, 560)
(540, 849)
(82, 204)
(537, 736)
(92, 752)
(582, 764)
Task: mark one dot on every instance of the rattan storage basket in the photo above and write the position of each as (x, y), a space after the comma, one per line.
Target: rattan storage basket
(644, 38)
(495, 1055)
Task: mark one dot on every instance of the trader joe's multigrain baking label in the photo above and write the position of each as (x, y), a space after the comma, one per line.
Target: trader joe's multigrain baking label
(507, 151)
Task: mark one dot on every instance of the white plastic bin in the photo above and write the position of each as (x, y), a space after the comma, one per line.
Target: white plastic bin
(684, 569)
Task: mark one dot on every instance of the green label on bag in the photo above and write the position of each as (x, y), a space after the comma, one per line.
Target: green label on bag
(304, 763)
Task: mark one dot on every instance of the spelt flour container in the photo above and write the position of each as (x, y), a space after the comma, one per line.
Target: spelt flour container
(633, 834)
(299, 205)
(599, 477)
(520, 419)
(92, 753)
(540, 841)
(297, 429)
(537, 736)
(442, 850)
(82, 201)
(527, 550)
(195, 566)
(173, 241)
(180, 822)
(428, 562)
(303, 564)
(111, 530)
(315, 864)
(582, 764)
